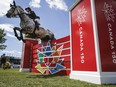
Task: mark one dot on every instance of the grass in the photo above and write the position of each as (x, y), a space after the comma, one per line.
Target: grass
(14, 78)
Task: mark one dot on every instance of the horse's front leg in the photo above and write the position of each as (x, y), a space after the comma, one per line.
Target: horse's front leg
(15, 32)
(21, 35)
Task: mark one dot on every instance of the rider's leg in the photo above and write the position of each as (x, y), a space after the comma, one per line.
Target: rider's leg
(37, 24)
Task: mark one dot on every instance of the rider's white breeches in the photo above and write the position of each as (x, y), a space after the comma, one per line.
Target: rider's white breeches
(38, 20)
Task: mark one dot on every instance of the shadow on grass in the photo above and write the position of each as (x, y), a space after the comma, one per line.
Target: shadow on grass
(44, 76)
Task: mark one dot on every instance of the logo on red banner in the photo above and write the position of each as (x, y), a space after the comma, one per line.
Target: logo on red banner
(110, 17)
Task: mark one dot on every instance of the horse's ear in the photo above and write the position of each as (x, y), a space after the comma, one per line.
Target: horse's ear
(11, 5)
(14, 3)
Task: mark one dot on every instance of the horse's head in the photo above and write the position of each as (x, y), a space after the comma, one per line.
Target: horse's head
(14, 10)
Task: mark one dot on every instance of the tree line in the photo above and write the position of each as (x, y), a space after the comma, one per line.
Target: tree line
(2, 39)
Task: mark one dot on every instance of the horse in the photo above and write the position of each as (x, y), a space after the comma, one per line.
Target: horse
(27, 25)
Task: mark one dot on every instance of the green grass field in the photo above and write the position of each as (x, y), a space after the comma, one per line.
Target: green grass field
(14, 78)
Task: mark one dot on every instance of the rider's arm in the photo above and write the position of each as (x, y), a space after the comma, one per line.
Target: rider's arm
(32, 14)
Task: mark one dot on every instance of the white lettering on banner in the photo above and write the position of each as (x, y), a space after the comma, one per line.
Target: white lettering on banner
(81, 45)
(82, 58)
(81, 38)
(114, 60)
(114, 57)
(112, 43)
(110, 17)
(111, 36)
(81, 16)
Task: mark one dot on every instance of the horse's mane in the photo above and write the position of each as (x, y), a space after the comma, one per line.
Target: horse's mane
(20, 7)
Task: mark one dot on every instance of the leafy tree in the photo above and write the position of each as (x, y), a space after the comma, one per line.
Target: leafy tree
(2, 39)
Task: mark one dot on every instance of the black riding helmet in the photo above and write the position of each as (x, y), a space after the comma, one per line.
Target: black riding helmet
(28, 8)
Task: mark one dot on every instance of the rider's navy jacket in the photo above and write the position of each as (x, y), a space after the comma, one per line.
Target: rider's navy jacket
(32, 15)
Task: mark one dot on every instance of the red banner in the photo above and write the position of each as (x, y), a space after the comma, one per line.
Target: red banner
(83, 49)
(106, 22)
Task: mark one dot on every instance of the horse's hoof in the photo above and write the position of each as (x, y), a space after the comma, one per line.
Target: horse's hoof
(24, 41)
(19, 38)
(47, 37)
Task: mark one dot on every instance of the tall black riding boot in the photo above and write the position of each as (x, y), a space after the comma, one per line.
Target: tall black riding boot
(37, 24)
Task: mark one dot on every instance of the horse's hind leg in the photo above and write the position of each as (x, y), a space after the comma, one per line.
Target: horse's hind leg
(52, 37)
(15, 32)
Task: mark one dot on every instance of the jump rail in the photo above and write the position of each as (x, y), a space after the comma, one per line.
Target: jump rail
(52, 58)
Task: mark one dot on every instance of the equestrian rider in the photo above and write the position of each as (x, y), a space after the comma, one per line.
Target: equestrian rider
(3, 60)
(33, 16)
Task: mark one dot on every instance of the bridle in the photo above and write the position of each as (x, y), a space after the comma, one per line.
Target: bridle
(15, 8)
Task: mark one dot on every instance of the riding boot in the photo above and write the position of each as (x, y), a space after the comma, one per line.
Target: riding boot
(37, 24)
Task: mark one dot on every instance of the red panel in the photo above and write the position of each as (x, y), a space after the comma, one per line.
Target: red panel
(35, 46)
(65, 45)
(66, 58)
(45, 59)
(33, 65)
(63, 72)
(35, 56)
(106, 22)
(39, 46)
(83, 49)
(64, 52)
(34, 60)
(35, 70)
(66, 64)
(43, 65)
(26, 51)
(34, 51)
(53, 65)
(64, 39)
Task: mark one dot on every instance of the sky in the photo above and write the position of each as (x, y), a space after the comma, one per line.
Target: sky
(54, 15)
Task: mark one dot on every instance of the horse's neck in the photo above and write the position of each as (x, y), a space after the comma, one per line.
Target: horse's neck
(24, 17)
(25, 21)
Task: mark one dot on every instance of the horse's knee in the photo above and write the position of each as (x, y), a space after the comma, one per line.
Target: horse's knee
(16, 28)
(46, 38)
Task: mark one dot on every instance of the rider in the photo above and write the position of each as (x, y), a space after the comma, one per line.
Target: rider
(33, 16)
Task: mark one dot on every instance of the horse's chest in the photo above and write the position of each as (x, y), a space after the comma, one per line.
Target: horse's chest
(27, 24)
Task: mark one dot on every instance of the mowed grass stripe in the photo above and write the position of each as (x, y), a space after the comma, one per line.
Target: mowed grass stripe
(14, 78)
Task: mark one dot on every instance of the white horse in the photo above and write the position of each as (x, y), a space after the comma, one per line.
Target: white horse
(27, 25)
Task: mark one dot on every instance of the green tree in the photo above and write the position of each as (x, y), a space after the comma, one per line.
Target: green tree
(2, 39)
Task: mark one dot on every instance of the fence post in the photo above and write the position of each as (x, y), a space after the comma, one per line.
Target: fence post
(27, 55)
